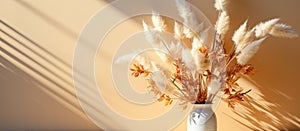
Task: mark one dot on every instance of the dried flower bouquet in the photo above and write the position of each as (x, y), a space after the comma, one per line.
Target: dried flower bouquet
(200, 72)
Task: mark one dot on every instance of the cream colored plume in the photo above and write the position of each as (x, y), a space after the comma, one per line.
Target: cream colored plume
(239, 34)
(202, 63)
(158, 22)
(222, 25)
(145, 61)
(249, 51)
(152, 36)
(188, 59)
(187, 32)
(264, 28)
(164, 55)
(160, 80)
(175, 49)
(187, 14)
(196, 44)
(221, 5)
(145, 26)
(127, 57)
(162, 83)
(200, 60)
(178, 31)
(203, 36)
(249, 37)
(282, 30)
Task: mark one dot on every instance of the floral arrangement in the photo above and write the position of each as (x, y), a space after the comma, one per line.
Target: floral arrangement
(202, 69)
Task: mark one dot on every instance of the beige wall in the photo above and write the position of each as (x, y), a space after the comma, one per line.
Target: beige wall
(36, 90)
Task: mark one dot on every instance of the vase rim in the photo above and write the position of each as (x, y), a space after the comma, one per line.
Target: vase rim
(202, 105)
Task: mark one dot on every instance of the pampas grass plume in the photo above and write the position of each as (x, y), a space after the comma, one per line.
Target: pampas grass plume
(222, 25)
(152, 36)
(249, 51)
(264, 28)
(178, 31)
(282, 30)
(188, 60)
(158, 22)
(239, 33)
(221, 5)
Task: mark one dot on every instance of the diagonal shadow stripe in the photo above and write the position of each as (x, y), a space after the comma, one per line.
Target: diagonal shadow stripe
(48, 19)
(35, 44)
(44, 76)
(38, 54)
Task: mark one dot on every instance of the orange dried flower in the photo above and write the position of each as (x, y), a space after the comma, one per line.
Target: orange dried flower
(168, 99)
(203, 50)
(177, 73)
(138, 70)
(161, 98)
(237, 97)
(248, 69)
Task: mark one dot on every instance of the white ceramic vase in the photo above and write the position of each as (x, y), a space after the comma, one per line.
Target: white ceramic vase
(202, 118)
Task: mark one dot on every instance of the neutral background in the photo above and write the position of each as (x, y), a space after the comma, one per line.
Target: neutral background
(38, 38)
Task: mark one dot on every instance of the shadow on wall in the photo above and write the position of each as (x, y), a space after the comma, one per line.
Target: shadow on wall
(48, 19)
(266, 111)
(47, 70)
(26, 59)
(276, 106)
(58, 25)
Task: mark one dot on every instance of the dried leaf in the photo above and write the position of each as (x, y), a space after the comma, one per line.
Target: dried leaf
(161, 98)
(238, 97)
(248, 69)
(167, 100)
(226, 91)
(138, 70)
(231, 105)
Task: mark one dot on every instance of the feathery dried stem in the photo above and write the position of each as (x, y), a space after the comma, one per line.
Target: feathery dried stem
(188, 59)
(249, 51)
(187, 14)
(152, 36)
(264, 28)
(221, 5)
(240, 33)
(178, 31)
(178, 88)
(247, 39)
(282, 30)
(158, 22)
(222, 25)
